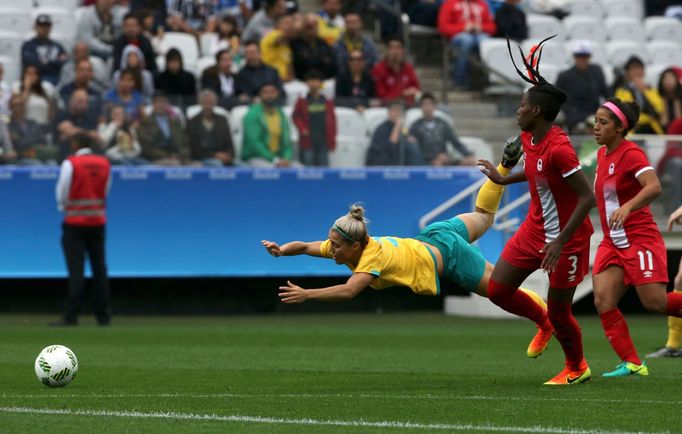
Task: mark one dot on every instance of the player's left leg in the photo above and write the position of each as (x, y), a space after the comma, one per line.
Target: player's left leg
(673, 347)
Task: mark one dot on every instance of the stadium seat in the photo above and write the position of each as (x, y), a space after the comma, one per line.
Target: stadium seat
(624, 8)
(625, 29)
(67, 5)
(204, 63)
(541, 26)
(237, 115)
(553, 53)
(351, 138)
(329, 88)
(78, 14)
(620, 51)
(15, 20)
(495, 55)
(663, 28)
(599, 55)
(414, 114)
(12, 67)
(478, 146)
(208, 41)
(63, 22)
(348, 153)
(194, 110)
(664, 52)
(294, 89)
(374, 116)
(10, 44)
(186, 44)
(16, 4)
(585, 27)
(587, 8)
(653, 72)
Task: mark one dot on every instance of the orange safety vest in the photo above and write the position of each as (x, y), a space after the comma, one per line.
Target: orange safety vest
(87, 197)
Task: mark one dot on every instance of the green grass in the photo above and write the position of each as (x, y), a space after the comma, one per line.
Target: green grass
(426, 369)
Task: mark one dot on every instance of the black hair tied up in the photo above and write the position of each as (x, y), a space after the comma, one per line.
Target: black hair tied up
(532, 64)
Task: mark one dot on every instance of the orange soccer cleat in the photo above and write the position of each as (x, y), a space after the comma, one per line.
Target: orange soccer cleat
(568, 377)
(540, 340)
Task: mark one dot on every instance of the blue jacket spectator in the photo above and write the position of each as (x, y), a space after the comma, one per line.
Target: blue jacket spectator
(125, 94)
(353, 39)
(83, 80)
(255, 74)
(49, 56)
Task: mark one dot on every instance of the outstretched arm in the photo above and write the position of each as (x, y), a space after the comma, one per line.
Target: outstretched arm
(293, 248)
(492, 173)
(295, 294)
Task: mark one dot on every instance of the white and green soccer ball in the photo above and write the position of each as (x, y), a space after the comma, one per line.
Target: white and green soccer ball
(56, 366)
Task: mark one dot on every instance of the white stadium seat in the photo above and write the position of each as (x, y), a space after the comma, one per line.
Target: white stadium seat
(12, 68)
(329, 88)
(624, 8)
(586, 8)
(586, 28)
(15, 20)
(495, 55)
(208, 41)
(414, 114)
(479, 147)
(186, 44)
(10, 44)
(295, 89)
(78, 14)
(237, 115)
(374, 116)
(665, 52)
(620, 51)
(553, 53)
(663, 28)
(68, 5)
(351, 139)
(541, 26)
(24, 5)
(348, 153)
(194, 110)
(653, 72)
(63, 22)
(625, 29)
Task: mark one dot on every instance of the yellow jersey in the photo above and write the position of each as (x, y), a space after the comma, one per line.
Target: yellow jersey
(396, 262)
(277, 54)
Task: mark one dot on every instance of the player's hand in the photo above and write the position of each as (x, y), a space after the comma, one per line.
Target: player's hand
(675, 218)
(618, 218)
(552, 253)
(490, 171)
(292, 293)
(272, 248)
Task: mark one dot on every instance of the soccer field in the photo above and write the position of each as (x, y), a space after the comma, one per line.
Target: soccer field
(328, 373)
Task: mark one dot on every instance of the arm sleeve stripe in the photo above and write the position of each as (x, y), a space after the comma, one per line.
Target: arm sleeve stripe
(642, 170)
(571, 172)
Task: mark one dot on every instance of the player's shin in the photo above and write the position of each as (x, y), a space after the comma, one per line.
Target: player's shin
(490, 194)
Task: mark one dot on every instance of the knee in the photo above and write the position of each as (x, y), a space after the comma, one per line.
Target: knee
(602, 304)
(655, 303)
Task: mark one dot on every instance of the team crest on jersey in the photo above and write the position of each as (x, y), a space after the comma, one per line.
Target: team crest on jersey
(612, 167)
(539, 166)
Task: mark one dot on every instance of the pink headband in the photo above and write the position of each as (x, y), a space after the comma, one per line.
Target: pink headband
(616, 111)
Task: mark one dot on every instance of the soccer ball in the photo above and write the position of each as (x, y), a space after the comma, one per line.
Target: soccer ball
(56, 366)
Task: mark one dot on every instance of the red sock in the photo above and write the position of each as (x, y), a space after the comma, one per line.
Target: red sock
(674, 307)
(616, 331)
(514, 301)
(567, 331)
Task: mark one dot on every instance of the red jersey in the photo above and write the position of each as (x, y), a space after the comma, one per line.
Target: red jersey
(615, 184)
(553, 201)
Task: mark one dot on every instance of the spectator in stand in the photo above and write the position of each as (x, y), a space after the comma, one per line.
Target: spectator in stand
(125, 94)
(670, 90)
(353, 39)
(44, 53)
(267, 141)
(192, 16)
(394, 77)
(585, 86)
(39, 96)
(179, 85)
(100, 25)
(391, 144)
(431, 133)
(424, 12)
(316, 123)
(510, 21)
(355, 87)
(634, 88)
(276, 47)
(209, 135)
(263, 21)
(153, 34)
(157, 8)
(161, 135)
(465, 23)
(331, 23)
(5, 93)
(133, 60)
(28, 138)
(78, 118)
(240, 10)
(132, 35)
(220, 79)
(310, 52)
(101, 76)
(83, 80)
(229, 36)
(255, 74)
(120, 138)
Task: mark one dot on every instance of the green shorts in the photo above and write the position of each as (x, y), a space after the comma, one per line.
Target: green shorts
(463, 263)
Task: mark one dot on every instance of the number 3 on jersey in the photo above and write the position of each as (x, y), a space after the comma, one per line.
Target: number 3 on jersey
(574, 267)
(647, 271)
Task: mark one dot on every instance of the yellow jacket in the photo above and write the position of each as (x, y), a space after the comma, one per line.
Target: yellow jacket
(645, 119)
(277, 54)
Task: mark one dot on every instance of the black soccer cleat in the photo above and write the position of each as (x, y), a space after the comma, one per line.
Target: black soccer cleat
(512, 153)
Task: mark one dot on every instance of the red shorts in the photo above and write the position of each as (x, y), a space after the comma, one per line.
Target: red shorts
(642, 263)
(571, 268)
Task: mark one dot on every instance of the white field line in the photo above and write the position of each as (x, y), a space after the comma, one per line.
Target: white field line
(338, 395)
(309, 422)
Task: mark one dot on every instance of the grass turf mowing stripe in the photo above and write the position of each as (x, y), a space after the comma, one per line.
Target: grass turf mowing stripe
(337, 395)
(310, 422)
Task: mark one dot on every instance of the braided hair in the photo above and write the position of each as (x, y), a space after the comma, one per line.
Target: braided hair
(543, 94)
